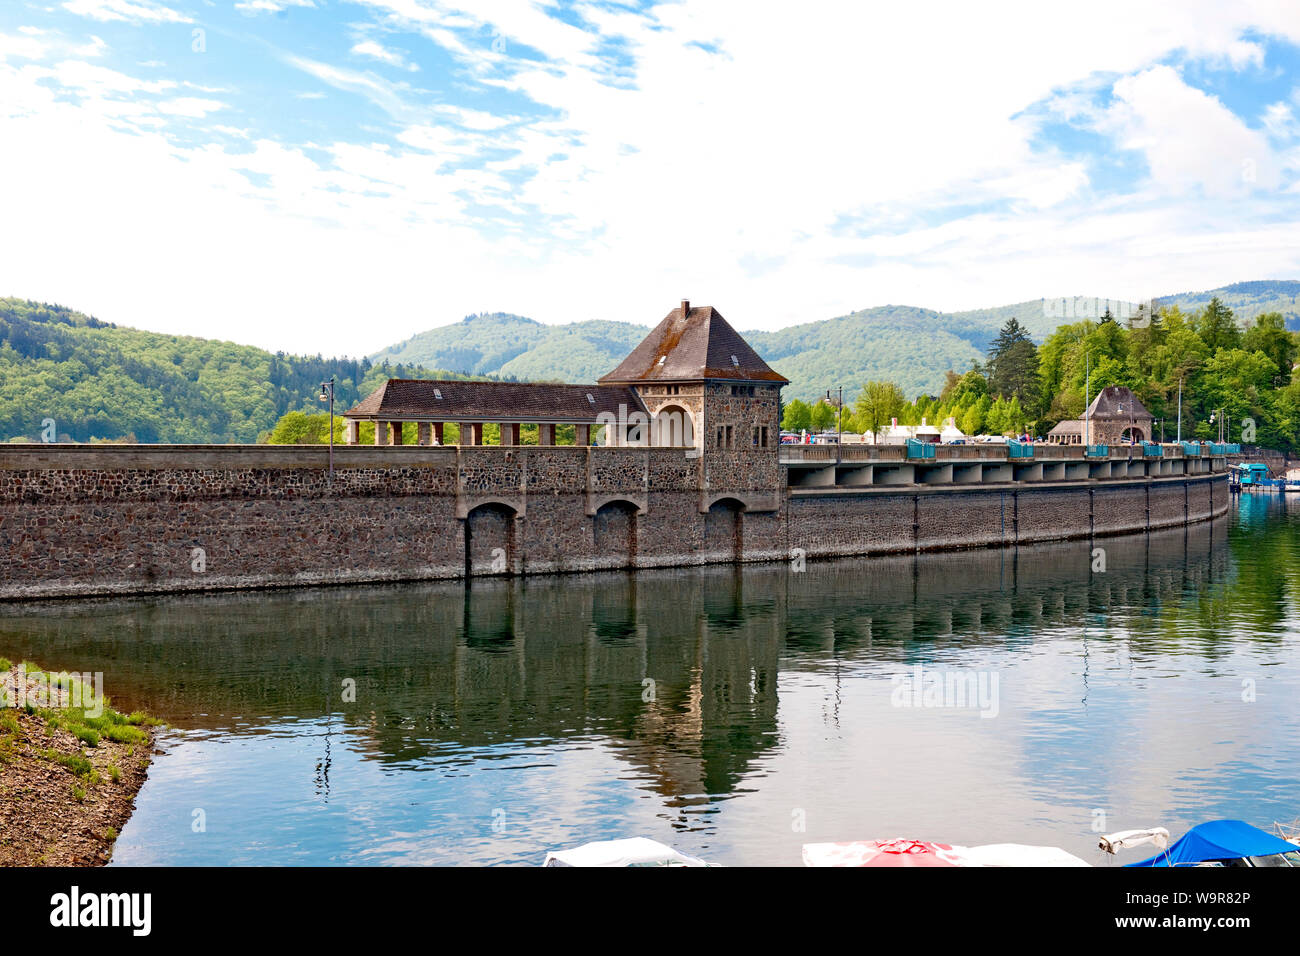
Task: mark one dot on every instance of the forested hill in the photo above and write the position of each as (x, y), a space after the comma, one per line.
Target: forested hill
(512, 346)
(910, 346)
(101, 381)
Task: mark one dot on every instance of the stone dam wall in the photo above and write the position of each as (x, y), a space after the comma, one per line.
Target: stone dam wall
(99, 520)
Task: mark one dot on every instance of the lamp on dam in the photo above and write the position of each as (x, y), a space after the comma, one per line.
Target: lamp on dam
(327, 395)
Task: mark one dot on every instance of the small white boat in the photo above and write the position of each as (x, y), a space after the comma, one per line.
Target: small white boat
(636, 851)
(1157, 837)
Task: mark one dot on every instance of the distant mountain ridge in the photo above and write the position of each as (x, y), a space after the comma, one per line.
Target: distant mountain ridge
(908, 345)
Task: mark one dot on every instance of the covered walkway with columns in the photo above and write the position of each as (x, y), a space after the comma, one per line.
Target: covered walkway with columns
(470, 406)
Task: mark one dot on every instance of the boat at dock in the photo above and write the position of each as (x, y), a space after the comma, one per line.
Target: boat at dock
(1219, 843)
(635, 851)
(1255, 476)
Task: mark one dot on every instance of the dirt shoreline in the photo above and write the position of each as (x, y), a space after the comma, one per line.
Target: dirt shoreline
(68, 781)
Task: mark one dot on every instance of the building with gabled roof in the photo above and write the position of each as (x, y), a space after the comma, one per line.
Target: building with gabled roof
(692, 382)
(1115, 417)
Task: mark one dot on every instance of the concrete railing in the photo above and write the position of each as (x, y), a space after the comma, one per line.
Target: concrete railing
(993, 451)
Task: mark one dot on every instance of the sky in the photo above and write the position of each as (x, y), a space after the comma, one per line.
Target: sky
(334, 176)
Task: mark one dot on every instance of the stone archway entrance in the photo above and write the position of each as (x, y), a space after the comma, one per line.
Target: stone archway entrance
(724, 530)
(614, 529)
(490, 540)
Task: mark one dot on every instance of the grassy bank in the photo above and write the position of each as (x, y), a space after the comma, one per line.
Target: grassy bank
(70, 767)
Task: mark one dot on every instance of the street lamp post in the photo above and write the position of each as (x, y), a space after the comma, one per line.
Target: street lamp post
(1180, 408)
(1087, 401)
(327, 395)
(839, 419)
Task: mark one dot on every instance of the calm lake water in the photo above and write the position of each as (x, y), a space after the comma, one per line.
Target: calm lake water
(732, 714)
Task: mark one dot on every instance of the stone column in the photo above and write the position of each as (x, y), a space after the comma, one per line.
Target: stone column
(582, 435)
(397, 432)
(471, 433)
(352, 431)
(422, 433)
(437, 433)
(381, 433)
(510, 433)
(546, 434)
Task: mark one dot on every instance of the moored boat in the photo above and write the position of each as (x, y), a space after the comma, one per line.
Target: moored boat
(635, 851)
(903, 852)
(1216, 843)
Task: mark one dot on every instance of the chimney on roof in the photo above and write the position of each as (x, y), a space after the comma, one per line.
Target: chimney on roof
(686, 307)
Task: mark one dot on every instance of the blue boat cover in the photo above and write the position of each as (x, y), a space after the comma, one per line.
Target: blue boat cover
(1219, 840)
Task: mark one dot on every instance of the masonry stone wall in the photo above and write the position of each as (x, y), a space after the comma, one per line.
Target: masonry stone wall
(78, 520)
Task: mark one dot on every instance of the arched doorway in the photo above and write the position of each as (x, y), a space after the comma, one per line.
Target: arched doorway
(490, 540)
(724, 530)
(614, 527)
(1131, 435)
(674, 427)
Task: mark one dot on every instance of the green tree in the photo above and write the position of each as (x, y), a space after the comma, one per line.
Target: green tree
(300, 428)
(797, 416)
(823, 416)
(1217, 327)
(1269, 336)
(1013, 365)
(877, 404)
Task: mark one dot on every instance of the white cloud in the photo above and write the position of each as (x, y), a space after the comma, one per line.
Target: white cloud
(1280, 120)
(377, 51)
(21, 47)
(387, 96)
(96, 47)
(254, 7)
(1190, 139)
(190, 106)
(131, 11)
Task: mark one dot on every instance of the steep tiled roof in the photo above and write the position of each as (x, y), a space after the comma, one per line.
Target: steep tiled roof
(692, 344)
(1118, 403)
(405, 399)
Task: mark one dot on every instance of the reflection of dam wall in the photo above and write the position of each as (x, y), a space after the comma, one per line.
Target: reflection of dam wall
(972, 596)
(84, 520)
(442, 666)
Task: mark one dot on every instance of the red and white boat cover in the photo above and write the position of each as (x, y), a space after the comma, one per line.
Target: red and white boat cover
(903, 852)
